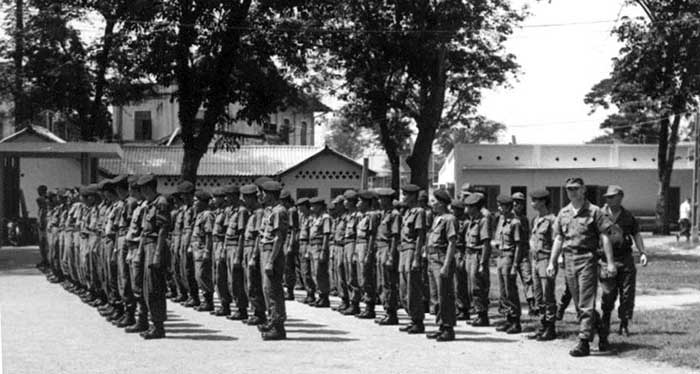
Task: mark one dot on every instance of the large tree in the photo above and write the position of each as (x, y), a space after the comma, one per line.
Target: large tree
(478, 129)
(654, 81)
(418, 63)
(223, 52)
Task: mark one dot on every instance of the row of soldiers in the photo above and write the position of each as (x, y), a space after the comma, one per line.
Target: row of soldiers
(252, 246)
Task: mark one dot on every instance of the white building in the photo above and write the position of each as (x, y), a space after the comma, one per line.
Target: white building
(156, 118)
(505, 169)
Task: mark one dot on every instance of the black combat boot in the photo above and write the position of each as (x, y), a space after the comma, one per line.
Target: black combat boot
(417, 328)
(352, 310)
(182, 296)
(603, 344)
(224, 310)
(239, 315)
(276, 332)
(533, 311)
(447, 335)
(389, 320)
(550, 333)
(560, 312)
(368, 313)
(289, 295)
(207, 305)
(127, 320)
(340, 307)
(505, 326)
(323, 302)
(256, 320)
(515, 327)
(624, 328)
(434, 334)
(309, 299)
(482, 320)
(157, 331)
(140, 325)
(581, 349)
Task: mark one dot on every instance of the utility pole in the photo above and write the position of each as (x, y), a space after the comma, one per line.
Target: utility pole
(694, 195)
(19, 54)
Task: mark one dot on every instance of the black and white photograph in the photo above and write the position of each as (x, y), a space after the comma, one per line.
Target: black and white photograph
(363, 186)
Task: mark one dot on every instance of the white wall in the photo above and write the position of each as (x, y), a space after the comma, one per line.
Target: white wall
(53, 173)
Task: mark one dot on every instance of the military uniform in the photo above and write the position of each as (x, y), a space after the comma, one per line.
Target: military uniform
(42, 215)
(337, 243)
(544, 285)
(219, 256)
(524, 267)
(175, 258)
(291, 251)
(461, 281)
(477, 237)
(388, 236)
(234, 251)
(111, 251)
(352, 217)
(251, 265)
(201, 244)
(365, 248)
(305, 260)
(509, 235)
(414, 224)
(135, 259)
(187, 271)
(124, 246)
(319, 241)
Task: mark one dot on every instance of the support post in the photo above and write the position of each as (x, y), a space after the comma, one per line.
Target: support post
(694, 194)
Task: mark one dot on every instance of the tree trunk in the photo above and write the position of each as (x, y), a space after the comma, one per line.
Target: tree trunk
(98, 112)
(668, 139)
(19, 110)
(190, 164)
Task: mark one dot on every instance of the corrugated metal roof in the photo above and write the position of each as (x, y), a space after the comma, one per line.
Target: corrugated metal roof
(253, 160)
(34, 129)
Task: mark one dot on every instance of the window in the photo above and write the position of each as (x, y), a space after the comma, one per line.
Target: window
(270, 128)
(307, 192)
(491, 193)
(337, 192)
(143, 125)
(302, 134)
(522, 189)
(555, 195)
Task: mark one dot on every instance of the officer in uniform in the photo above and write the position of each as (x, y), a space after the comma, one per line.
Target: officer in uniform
(320, 231)
(413, 233)
(365, 250)
(541, 242)
(578, 230)
(90, 245)
(42, 203)
(307, 279)
(251, 256)
(441, 243)
(461, 281)
(273, 234)
(155, 225)
(71, 242)
(525, 265)
(178, 214)
(352, 217)
(174, 203)
(339, 217)
(332, 272)
(477, 243)
(221, 211)
(202, 246)
(121, 222)
(510, 240)
(387, 242)
(111, 250)
(429, 215)
(623, 233)
(291, 244)
(235, 242)
(135, 258)
(52, 220)
(186, 190)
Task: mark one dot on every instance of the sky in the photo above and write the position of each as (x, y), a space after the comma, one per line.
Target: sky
(564, 48)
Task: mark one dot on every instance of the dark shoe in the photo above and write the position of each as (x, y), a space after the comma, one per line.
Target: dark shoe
(481, 321)
(180, 298)
(140, 326)
(624, 329)
(560, 313)
(368, 313)
(192, 303)
(156, 332)
(255, 320)
(416, 329)
(265, 327)
(238, 315)
(127, 321)
(446, 335)
(340, 307)
(170, 295)
(581, 349)
(533, 311)
(334, 293)
(406, 328)
(289, 295)
(550, 333)
(603, 344)
(504, 327)
(389, 320)
(433, 334)
(109, 310)
(220, 312)
(323, 302)
(205, 307)
(275, 333)
(515, 328)
(117, 315)
(351, 310)
(536, 335)
(462, 316)
(309, 299)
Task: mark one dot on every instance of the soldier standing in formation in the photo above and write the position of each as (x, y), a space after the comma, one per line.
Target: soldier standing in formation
(510, 241)
(388, 237)
(413, 234)
(541, 242)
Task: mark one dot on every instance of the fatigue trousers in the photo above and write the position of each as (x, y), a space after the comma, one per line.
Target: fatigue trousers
(77, 257)
(203, 270)
(461, 282)
(94, 261)
(67, 255)
(236, 275)
(307, 278)
(525, 274)
(425, 284)
(44, 246)
(508, 286)
(154, 285)
(338, 264)
(187, 271)
(54, 243)
(581, 271)
(351, 273)
(622, 284)
(366, 274)
(319, 268)
(136, 270)
(479, 283)
(332, 270)
(273, 289)
(175, 266)
(411, 286)
(442, 289)
(389, 277)
(124, 274)
(544, 287)
(221, 273)
(291, 258)
(253, 279)
(111, 263)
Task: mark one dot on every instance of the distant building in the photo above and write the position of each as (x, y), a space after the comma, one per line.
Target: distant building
(156, 118)
(506, 169)
(379, 162)
(7, 123)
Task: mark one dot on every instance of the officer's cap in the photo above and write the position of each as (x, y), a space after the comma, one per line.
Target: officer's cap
(272, 186)
(185, 187)
(442, 196)
(350, 195)
(317, 200)
(249, 189)
(539, 194)
(132, 180)
(231, 190)
(121, 181)
(218, 192)
(467, 187)
(613, 190)
(331, 205)
(146, 179)
(423, 195)
(410, 188)
(202, 195)
(574, 182)
(261, 180)
(474, 199)
(504, 199)
(339, 200)
(303, 201)
(52, 192)
(518, 196)
(285, 195)
(457, 204)
(367, 195)
(90, 189)
(385, 192)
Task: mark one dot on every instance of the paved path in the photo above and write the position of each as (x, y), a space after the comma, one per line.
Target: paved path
(46, 329)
